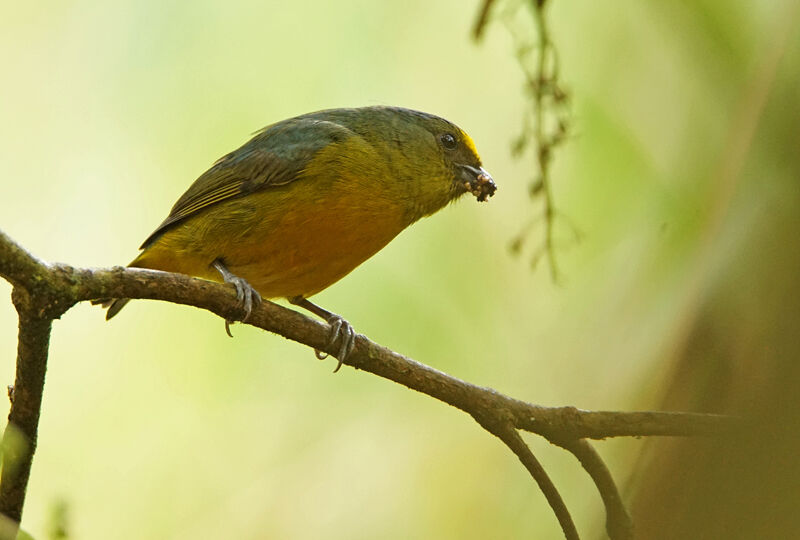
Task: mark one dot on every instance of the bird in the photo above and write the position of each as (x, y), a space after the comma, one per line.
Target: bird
(308, 199)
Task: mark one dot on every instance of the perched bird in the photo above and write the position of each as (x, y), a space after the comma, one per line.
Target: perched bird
(308, 199)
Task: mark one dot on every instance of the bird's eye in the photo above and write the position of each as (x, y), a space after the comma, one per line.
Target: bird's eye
(448, 141)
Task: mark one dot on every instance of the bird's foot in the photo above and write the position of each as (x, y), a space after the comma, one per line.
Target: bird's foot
(340, 330)
(247, 295)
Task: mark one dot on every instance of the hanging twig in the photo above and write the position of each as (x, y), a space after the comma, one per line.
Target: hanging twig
(545, 125)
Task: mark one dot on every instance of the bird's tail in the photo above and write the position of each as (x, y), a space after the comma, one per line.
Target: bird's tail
(114, 305)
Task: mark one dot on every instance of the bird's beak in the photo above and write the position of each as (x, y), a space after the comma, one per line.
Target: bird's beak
(478, 182)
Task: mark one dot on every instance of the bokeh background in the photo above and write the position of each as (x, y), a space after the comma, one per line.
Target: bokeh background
(681, 173)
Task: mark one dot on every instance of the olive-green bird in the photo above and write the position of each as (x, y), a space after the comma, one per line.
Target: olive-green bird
(308, 199)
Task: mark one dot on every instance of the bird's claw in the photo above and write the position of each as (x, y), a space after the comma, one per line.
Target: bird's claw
(341, 330)
(248, 297)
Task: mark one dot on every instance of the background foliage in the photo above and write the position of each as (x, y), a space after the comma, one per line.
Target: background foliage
(159, 426)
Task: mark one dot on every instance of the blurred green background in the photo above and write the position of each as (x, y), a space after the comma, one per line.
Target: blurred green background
(158, 425)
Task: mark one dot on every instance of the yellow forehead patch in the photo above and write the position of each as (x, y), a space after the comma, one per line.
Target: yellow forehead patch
(470, 144)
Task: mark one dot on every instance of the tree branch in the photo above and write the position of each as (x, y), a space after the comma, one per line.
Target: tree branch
(43, 292)
(19, 438)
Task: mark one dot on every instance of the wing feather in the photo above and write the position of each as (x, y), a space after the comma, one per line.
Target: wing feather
(276, 156)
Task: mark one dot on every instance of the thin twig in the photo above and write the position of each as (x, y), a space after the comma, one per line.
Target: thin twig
(504, 430)
(483, 18)
(618, 522)
(545, 122)
(569, 422)
(544, 145)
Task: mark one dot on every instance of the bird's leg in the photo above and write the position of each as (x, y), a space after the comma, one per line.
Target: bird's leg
(247, 295)
(340, 329)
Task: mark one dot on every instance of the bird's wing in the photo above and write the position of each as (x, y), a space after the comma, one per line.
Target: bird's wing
(277, 155)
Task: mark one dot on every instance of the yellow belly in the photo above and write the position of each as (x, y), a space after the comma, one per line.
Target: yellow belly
(286, 241)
